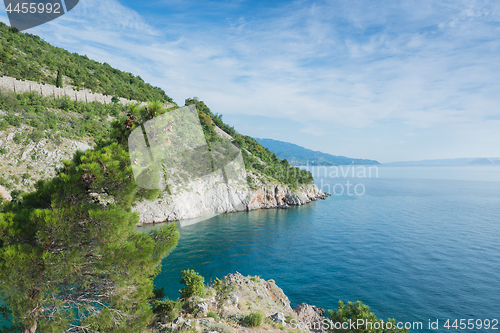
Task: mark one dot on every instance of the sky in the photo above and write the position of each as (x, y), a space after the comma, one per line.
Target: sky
(385, 80)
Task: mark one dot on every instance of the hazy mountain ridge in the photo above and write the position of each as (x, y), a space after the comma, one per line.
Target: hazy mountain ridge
(448, 162)
(297, 155)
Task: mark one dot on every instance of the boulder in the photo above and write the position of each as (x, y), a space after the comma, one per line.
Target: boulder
(278, 317)
(310, 315)
(203, 307)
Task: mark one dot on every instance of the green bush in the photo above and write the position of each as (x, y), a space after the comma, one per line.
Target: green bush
(167, 308)
(18, 138)
(212, 314)
(360, 311)
(194, 284)
(254, 319)
(3, 125)
(37, 135)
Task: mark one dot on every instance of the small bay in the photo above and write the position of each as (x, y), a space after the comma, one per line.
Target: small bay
(420, 243)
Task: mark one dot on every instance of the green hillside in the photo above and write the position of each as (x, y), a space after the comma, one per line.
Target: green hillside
(45, 127)
(27, 57)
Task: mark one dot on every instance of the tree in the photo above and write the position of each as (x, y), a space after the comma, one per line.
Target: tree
(194, 284)
(59, 81)
(359, 313)
(71, 264)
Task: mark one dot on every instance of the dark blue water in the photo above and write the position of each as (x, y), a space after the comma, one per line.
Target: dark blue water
(421, 243)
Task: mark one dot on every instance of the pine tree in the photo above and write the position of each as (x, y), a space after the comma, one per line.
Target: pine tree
(59, 82)
(67, 262)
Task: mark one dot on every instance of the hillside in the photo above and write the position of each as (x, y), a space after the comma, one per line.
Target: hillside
(298, 155)
(38, 132)
(27, 57)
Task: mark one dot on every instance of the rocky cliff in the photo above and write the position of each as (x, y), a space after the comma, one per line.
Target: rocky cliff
(207, 195)
(247, 295)
(211, 195)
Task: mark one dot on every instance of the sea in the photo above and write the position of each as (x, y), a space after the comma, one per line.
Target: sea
(418, 244)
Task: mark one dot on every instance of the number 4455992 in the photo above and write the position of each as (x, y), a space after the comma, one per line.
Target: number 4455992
(33, 8)
(471, 324)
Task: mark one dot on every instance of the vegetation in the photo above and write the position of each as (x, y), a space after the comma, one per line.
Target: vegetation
(254, 319)
(167, 308)
(68, 263)
(219, 327)
(211, 314)
(27, 57)
(223, 292)
(54, 118)
(360, 311)
(257, 159)
(59, 81)
(194, 284)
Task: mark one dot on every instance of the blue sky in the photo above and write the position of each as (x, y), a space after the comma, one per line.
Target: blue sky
(386, 80)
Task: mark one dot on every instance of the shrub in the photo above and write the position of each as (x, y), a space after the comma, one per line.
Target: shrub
(212, 314)
(18, 138)
(3, 125)
(357, 311)
(254, 278)
(254, 319)
(221, 328)
(167, 308)
(194, 284)
(158, 293)
(223, 292)
(36, 135)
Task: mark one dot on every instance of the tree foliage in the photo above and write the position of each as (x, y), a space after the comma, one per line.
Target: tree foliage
(194, 284)
(257, 158)
(69, 263)
(351, 313)
(59, 80)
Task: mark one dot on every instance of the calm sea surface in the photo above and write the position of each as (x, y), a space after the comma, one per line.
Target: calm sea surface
(414, 243)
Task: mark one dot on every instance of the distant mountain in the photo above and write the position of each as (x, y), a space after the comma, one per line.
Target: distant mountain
(297, 155)
(451, 161)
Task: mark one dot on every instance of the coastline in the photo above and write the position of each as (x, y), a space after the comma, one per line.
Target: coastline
(219, 198)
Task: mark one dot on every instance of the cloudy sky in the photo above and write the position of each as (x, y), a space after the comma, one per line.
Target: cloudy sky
(385, 80)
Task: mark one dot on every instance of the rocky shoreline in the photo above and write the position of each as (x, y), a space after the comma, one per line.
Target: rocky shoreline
(249, 294)
(211, 196)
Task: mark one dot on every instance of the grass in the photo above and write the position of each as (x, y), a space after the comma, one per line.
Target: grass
(254, 319)
(212, 314)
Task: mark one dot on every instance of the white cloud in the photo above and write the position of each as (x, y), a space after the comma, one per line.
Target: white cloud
(424, 64)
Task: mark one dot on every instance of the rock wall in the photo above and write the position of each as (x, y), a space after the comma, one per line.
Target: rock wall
(211, 195)
(18, 86)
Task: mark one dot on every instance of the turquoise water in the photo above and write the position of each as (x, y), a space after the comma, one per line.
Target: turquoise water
(421, 243)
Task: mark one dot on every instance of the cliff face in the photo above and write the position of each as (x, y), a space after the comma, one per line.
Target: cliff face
(211, 195)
